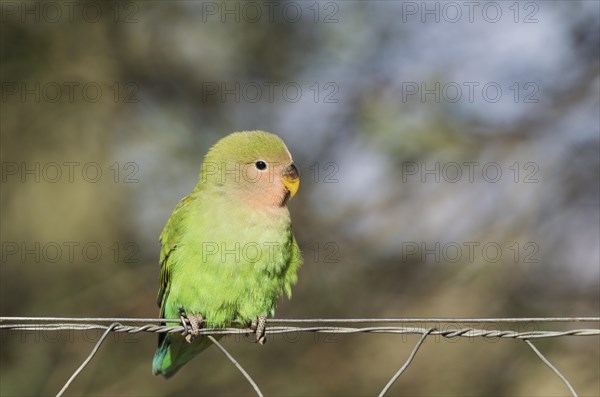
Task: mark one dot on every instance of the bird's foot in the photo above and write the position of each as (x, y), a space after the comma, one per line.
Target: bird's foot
(196, 321)
(258, 325)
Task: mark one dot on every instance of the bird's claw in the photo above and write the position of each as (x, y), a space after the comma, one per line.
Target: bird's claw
(196, 321)
(258, 325)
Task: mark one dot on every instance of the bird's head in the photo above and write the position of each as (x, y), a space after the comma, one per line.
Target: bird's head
(254, 167)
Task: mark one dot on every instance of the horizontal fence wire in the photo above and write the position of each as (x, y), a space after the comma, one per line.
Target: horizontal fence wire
(326, 320)
(431, 326)
(317, 326)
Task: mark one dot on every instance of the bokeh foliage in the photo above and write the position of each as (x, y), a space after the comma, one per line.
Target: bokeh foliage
(359, 208)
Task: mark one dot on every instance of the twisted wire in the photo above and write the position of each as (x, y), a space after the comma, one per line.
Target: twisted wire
(154, 325)
(466, 332)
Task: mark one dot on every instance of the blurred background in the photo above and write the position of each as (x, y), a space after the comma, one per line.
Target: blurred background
(450, 167)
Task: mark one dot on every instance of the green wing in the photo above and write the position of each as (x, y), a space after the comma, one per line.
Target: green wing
(169, 239)
(290, 276)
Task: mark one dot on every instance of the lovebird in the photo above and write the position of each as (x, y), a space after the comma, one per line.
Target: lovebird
(228, 252)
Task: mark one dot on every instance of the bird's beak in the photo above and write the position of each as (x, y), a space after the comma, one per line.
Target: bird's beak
(291, 179)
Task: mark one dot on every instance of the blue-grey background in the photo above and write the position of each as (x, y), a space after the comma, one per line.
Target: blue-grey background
(450, 168)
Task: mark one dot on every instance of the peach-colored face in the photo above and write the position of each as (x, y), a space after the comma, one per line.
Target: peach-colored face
(251, 167)
(271, 184)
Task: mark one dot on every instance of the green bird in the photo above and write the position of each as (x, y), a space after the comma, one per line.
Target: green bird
(228, 252)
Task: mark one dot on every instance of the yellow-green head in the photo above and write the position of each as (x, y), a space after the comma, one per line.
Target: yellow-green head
(252, 166)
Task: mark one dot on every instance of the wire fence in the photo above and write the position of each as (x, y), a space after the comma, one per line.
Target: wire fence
(323, 325)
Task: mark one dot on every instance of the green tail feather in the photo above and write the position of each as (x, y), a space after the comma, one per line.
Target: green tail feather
(174, 351)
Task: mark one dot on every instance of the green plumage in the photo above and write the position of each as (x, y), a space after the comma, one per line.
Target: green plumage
(228, 252)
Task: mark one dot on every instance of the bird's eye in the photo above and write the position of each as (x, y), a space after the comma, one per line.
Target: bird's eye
(261, 165)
